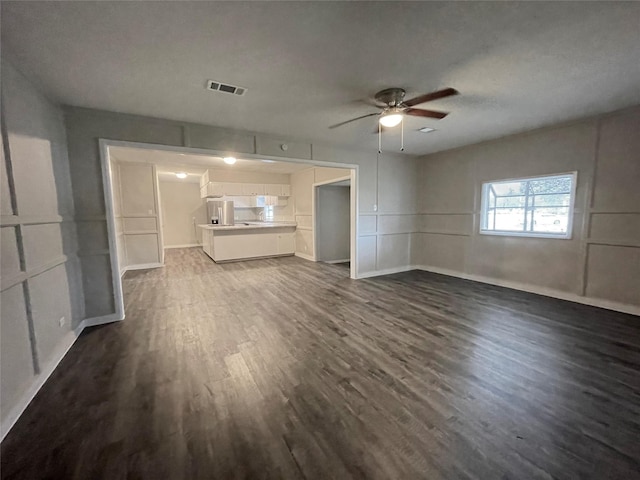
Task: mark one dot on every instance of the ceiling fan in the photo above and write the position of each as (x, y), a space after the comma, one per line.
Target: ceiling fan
(394, 106)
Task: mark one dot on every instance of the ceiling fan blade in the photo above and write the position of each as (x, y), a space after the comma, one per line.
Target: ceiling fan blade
(447, 92)
(417, 112)
(353, 120)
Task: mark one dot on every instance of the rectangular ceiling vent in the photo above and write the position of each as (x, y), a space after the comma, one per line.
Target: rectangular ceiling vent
(226, 88)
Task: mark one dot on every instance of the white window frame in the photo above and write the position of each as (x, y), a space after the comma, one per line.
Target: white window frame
(484, 198)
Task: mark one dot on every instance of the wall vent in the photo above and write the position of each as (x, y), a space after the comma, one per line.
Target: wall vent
(224, 87)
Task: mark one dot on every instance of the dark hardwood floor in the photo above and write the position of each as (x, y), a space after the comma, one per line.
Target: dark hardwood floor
(287, 369)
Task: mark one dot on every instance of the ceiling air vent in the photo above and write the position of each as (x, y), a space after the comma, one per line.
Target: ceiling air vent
(224, 87)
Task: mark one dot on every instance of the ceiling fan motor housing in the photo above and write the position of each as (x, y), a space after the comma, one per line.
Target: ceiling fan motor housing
(392, 97)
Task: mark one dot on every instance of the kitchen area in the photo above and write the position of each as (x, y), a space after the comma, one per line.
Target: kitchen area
(226, 239)
(233, 209)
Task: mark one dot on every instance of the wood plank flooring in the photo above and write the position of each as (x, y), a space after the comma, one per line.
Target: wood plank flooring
(286, 369)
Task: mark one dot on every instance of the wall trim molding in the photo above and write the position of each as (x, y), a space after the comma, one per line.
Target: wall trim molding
(23, 276)
(344, 260)
(305, 256)
(13, 220)
(386, 271)
(140, 266)
(95, 321)
(188, 245)
(547, 292)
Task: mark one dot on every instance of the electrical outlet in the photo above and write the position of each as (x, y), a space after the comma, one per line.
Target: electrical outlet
(62, 321)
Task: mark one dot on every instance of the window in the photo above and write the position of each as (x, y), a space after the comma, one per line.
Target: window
(530, 207)
(268, 213)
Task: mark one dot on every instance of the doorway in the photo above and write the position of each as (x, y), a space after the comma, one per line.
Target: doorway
(332, 217)
(153, 156)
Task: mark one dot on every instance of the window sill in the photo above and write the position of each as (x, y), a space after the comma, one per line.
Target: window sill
(564, 236)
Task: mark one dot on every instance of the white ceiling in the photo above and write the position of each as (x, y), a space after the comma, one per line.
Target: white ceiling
(307, 65)
(169, 163)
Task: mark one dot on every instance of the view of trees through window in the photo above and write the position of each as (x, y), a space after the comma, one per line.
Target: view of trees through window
(534, 205)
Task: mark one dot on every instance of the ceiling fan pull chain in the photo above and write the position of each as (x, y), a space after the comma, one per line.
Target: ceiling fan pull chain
(379, 138)
(402, 136)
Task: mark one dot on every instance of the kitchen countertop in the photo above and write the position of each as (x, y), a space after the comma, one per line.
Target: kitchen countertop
(248, 226)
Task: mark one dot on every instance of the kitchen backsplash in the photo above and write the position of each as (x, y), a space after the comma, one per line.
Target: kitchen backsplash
(280, 214)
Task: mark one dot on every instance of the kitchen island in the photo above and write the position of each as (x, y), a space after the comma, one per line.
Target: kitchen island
(246, 240)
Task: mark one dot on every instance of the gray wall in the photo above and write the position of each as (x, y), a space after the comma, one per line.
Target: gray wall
(333, 223)
(180, 203)
(600, 262)
(40, 269)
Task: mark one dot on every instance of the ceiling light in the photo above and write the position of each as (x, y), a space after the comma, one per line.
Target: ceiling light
(426, 129)
(392, 118)
(269, 161)
(181, 175)
(229, 160)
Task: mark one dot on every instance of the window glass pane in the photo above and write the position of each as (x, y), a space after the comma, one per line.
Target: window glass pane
(502, 202)
(554, 200)
(510, 219)
(509, 188)
(552, 220)
(528, 206)
(551, 185)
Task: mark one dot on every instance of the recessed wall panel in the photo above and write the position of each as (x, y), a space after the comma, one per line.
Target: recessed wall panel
(42, 244)
(615, 227)
(393, 251)
(49, 293)
(613, 273)
(16, 364)
(141, 249)
(367, 252)
(9, 258)
(137, 189)
(139, 224)
(617, 178)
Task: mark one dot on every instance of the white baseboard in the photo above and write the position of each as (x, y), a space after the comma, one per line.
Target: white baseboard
(39, 380)
(547, 292)
(95, 321)
(388, 271)
(141, 266)
(345, 260)
(305, 256)
(190, 245)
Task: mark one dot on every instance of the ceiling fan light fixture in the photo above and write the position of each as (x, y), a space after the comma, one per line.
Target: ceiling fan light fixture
(391, 119)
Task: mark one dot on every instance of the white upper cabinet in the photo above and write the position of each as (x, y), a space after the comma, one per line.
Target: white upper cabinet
(273, 189)
(234, 189)
(204, 179)
(252, 189)
(219, 189)
(212, 190)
